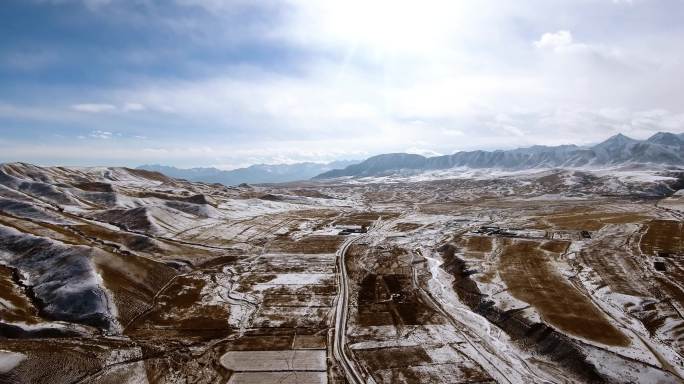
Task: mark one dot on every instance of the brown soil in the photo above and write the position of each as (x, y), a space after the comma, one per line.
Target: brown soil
(293, 317)
(132, 241)
(391, 300)
(531, 278)
(309, 342)
(553, 180)
(55, 362)
(538, 337)
(590, 220)
(407, 227)
(134, 286)
(316, 289)
(397, 357)
(262, 342)
(91, 186)
(479, 243)
(297, 300)
(663, 237)
(615, 266)
(52, 231)
(22, 310)
(195, 199)
(365, 218)
(308, 245)
(150, 175)
(555, 246)
(179, 308)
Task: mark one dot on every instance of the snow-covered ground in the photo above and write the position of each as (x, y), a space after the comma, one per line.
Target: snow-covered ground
(145, 268)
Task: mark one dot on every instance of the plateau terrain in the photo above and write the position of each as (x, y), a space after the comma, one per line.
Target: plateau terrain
(539, 275)
(341, 192)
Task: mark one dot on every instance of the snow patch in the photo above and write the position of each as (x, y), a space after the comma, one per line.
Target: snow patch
(10, 360)
(299, 278)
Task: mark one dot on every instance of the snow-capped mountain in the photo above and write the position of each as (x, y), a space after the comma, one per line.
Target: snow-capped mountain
(255, 174)
(661, 148)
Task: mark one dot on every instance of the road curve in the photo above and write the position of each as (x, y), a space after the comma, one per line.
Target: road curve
(349, 366)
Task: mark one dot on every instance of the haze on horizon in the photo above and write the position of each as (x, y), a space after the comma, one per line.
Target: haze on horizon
(235, 82)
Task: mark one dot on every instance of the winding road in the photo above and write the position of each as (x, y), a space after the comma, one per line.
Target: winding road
(349, 366)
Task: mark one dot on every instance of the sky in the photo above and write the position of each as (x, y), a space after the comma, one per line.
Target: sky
(228, 83)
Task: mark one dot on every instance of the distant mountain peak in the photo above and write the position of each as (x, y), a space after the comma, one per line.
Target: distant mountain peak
(661, 148)
(254, 174)
(397, 155)
(618, 139)
(666, 138)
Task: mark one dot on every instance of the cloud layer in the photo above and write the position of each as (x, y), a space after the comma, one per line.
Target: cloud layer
(212, 82)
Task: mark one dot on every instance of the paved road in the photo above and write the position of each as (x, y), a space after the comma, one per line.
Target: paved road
(349, 366)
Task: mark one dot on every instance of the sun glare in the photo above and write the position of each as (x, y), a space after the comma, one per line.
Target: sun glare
(391, 26)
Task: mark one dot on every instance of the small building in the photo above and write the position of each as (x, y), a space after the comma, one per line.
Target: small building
(489, 230)
(349, 229)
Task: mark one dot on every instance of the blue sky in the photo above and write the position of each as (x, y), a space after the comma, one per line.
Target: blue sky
(229, 83)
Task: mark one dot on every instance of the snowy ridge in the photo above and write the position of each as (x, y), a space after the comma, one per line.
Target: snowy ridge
(619, 150)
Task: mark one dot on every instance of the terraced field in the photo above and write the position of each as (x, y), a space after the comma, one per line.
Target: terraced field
(113, 275)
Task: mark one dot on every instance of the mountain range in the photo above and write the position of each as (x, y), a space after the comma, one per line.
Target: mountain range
(662, 148)
(255, 174)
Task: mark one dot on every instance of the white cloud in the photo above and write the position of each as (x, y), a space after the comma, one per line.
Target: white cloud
(452, 132)
(554, 40)
(97, 152)
(390, 75)
(93, 107)
(562, 42)
(107, 107)
(97, 134)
